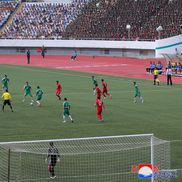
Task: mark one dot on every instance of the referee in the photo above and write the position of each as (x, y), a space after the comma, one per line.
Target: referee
(7, 100)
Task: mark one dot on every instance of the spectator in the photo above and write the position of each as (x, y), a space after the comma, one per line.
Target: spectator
(159, 66)
(152, 67)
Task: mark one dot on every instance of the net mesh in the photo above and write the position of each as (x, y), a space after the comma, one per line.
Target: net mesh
(99, 159)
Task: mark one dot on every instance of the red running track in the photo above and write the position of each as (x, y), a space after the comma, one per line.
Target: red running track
(117, 66)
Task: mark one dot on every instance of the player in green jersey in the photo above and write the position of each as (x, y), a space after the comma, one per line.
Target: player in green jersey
(66, 110)
(39, 93)
(95, 83)
(137, 93)
(5, 82)
(27, 92)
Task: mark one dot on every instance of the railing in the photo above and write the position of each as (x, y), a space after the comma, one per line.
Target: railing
(59, 38)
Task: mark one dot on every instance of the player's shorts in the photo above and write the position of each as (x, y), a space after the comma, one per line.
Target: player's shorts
(73, 57)
(7, 102)
(58, 92)
(98, 95)
(5, 87)
(51, 165)
(66, 112)
(28, 93)
(39, 98)
(137, 94)
(53, 160)
(155, 77)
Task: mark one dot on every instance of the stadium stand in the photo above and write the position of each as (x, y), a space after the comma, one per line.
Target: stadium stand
(42, 20)
(170, 17)
(6, 8)
(103, 19)
(108, 19)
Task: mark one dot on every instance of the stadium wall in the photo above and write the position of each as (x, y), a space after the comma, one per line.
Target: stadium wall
(172, 46)
(139, 49)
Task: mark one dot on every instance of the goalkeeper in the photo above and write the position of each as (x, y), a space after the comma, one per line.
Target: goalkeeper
(52, 157)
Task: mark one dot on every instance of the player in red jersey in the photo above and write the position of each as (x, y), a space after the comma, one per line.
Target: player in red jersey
(99, 104)
(58, 90)
(98, 91)
(104, 89)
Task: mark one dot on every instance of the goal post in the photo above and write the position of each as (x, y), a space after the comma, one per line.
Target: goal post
(93, 159)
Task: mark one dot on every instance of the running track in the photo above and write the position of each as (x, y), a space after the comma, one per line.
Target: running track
(124, 67)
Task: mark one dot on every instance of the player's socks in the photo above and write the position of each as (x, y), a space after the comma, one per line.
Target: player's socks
(94, 92)
(11, 108)
(99, 117)
(59, 97)
(64, 119)
(142, 100)
(71, 118)
(38, 103)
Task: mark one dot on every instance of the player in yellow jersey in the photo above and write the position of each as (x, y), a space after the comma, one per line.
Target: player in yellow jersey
(7, 100)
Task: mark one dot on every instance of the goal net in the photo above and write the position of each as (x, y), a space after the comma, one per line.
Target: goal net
(94, 159)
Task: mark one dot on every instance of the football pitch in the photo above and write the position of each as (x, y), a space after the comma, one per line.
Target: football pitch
(159, 114)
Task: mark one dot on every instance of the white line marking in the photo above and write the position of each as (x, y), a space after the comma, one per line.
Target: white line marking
(92, 66)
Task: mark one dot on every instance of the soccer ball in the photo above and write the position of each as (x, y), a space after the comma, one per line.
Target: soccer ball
(31, 103)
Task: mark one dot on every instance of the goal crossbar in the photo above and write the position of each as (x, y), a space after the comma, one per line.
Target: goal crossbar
(73, 139)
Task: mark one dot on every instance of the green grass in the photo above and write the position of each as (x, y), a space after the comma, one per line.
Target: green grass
(160, 114)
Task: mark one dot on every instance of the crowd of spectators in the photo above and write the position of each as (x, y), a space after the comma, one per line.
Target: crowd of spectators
(108, 19)
(169, 17)
(6, 8)
(97, 19)
(43, 20)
